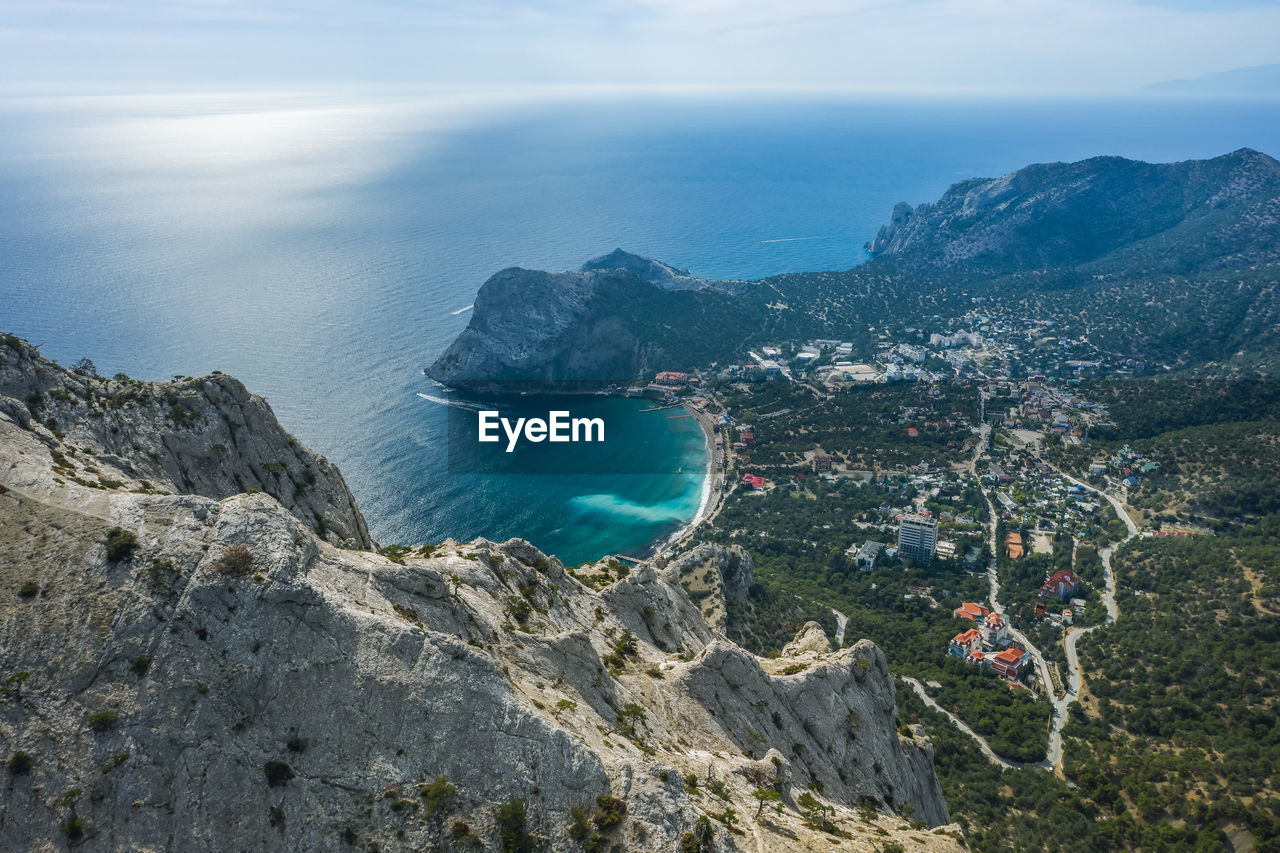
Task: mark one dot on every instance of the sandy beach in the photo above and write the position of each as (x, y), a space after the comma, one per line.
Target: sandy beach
(711, 495)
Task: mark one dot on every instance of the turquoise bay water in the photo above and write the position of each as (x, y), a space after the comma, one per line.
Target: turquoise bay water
(323, 249)
(642, 482)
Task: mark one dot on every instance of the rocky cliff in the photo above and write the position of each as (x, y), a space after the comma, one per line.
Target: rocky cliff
(618, 317)
(182, 669)
(716, 577)
(206, 436)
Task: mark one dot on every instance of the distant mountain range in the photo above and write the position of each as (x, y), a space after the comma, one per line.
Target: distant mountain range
(1172, 263)
(1254, 81)
(1069, 214)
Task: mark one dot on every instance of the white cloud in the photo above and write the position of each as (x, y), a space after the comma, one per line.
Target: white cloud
(983, 45)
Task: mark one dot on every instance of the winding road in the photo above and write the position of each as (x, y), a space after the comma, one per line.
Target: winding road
(990, 753)
(1074, 681)
(1074, 678)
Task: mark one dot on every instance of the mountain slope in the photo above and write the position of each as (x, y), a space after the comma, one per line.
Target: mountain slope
(602, 325)
(206, 436)
(179, 671)
(655, 272)
(1055, 214)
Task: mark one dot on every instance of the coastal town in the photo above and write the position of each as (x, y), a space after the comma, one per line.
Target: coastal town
(934, 460)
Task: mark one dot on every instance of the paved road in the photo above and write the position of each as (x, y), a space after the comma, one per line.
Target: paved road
(1059, 709)
(1074, 680)
(962, 726)
(993, 574)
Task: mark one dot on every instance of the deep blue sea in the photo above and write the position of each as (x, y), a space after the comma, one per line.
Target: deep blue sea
(323, 248)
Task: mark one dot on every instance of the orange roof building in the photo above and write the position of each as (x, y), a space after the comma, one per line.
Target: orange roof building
(966, 643)
(995, 631)
(971, 611)
(1060, 585)
(1009, 663)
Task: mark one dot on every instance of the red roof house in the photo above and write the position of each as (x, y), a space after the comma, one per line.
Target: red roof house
(971, 611)
(966, 643)
(1060, 585)
(1009, 663)
(995, 631)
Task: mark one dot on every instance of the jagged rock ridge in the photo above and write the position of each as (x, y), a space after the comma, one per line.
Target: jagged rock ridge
(206, 436)
(186, 672)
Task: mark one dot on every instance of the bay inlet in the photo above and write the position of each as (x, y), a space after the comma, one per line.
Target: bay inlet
(644, 485)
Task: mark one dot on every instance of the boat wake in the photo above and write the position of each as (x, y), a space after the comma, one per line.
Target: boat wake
(457, 404)
(461, 310)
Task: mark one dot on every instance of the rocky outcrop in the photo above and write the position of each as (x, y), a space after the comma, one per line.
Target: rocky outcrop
(887, 238)
(717, 576)
(655, 272)
(530, 326)
(619, 318)
(206, 436)
(183, 672)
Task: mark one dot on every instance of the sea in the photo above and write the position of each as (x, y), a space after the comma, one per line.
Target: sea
(324, 247)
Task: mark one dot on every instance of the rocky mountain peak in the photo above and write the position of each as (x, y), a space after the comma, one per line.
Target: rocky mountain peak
(654, 272)
(204, 436)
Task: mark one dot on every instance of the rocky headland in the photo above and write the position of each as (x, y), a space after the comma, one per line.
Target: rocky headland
(1154, 254)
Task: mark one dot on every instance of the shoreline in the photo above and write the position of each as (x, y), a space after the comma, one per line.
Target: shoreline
(706, 500)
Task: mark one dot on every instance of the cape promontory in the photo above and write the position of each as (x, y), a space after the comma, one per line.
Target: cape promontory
(616, 317)
(1172, 263)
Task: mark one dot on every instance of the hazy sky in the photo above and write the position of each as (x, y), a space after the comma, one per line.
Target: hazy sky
(909, 45)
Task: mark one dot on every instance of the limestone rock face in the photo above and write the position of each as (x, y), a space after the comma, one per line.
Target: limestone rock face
(884, 239)
(809, 644)
(717, 574)
(188, 672)
(614, 320)
(206, 436)
(517, 327)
